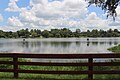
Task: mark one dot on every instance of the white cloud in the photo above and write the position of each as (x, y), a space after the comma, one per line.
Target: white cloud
(1, 18)
(116, 24)
(92, 16)
(14, 21)
(70, 14)
(118, 12)
(34, 2)
(12, 6)
(28, 16)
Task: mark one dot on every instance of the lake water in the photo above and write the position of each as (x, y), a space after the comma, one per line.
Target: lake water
(59, 45)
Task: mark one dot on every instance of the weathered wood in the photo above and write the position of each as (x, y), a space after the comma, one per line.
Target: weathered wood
(15, 66)
(90, 69)
(62, 56)
(106, 72)
(6, 70)
(90, 64)
(53, 72)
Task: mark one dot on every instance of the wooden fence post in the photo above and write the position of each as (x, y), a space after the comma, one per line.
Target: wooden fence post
(90, 75)
(15, 66)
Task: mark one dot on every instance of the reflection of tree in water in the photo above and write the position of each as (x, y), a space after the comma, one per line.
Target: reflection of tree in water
(62, 44)
(1, 44)
(78, 43)
(94, 43)
(45, 43)
(115, 43)
(25, 44)
(35, 44)
(102, 43)
(110, 43)
(88, 43)
(31, 44)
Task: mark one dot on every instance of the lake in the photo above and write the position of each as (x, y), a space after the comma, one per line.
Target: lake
(59, 45)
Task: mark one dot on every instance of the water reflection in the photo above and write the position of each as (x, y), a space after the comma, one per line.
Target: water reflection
(88, 43)
(110, 43)
(115, 43)
(63, 44)
(25, 44)
(78, 43)
(94, 43)
(102, 43)
(58, 45)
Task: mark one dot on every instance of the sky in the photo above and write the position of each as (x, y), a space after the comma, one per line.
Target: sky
(51, 14)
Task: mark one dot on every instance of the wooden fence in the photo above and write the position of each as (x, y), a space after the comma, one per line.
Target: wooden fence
(90, 72)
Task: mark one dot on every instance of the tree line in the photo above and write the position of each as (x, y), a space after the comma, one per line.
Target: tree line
(59, 33)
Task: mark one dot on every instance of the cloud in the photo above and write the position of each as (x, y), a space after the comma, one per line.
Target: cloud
(1, 18)
(116, 24)
(34, 2)
(12, 6)
(45, 14)
(118, 13)
(92, 16)
(14, 21)
(57, 9)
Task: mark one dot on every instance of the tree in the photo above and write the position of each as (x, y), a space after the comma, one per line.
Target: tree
(65, 32)
(23, 33)
(109, 33)
(2, 35)
(77, 33)
(45, 33)
(55, 33)
(102, 33)
(35, 33)
(88, 33)
(14, 35)
(94, 33)
(107, 5)
(116, 30)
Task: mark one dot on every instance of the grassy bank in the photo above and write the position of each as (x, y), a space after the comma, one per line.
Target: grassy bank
(115, 49)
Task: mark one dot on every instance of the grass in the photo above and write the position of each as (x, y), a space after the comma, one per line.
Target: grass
(9, 76)
(40, 76)
(115, 49)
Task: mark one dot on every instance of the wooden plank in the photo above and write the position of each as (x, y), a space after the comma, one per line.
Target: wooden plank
(6, 70)
(90, 68)
(6, 62)
(52, 72)
(15, 66)
(106, 64)
(67, 56)
(107, 72)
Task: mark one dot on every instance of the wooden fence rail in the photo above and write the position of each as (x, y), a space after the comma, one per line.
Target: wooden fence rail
(90, 72)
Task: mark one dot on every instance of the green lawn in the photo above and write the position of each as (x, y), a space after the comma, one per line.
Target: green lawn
(115, 49)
